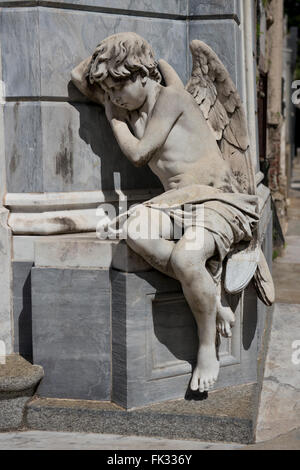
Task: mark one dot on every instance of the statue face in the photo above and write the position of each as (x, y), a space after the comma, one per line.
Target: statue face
(126, 93)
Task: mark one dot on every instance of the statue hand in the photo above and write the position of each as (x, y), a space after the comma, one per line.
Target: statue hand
(114, 112)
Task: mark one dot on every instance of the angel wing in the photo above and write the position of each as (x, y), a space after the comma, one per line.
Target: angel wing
(214, 91)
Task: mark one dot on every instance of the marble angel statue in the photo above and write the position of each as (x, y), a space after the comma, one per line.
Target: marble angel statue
(195, 140)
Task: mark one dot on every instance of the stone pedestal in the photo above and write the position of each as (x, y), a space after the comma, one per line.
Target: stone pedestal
(71, 332)
(154, 340)
(105, 326)
(18, 381)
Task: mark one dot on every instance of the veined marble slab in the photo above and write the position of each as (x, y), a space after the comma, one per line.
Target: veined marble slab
(279, 410)
(146, 7)
(77, 250)
(6, 330)
(215, 7)
(71, 332)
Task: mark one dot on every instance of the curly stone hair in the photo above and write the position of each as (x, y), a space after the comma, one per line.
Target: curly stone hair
(122, 56)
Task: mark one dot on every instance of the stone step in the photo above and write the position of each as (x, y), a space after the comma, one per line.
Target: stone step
(225, 415)
(18, 381)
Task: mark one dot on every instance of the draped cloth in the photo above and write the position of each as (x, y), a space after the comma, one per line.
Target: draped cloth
(231, 218)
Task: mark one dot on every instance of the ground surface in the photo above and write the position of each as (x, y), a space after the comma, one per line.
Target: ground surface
(45, 440)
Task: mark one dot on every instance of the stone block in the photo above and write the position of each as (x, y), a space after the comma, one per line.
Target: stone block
(23, 146)
(24, 245)
(67, 37)
(71, 332)
(19, 32)
(12, 406)
(72, 160)
(23, 248)
(70, 253)
(154, 340)
(18, 380)
(6, 331)
(81, 153)
(82, 250)
(215, 8)
(126, 260)
(64, 147)
(139, 7)
(61, 38)
(226, 44)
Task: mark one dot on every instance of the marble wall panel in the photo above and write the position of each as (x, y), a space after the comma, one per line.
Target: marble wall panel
(226, 44)
(215, 7)
(71, 332)
(6, 327)
(67, 37)
(142, 7)
(151, 360)
(23, 147)
(80, 152)
(19, 34)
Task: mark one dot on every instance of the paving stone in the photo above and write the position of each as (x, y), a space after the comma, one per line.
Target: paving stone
(40, 440)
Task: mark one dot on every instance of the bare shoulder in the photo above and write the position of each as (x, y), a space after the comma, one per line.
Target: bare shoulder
(171, 99)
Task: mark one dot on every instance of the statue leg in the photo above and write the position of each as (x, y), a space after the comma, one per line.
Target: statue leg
(148, 233)
(225, 316)
(200, 292)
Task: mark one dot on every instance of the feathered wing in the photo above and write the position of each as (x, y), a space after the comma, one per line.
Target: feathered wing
(216, 94)
(214, 91)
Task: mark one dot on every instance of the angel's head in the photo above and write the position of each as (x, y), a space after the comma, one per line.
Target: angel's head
(122, 64)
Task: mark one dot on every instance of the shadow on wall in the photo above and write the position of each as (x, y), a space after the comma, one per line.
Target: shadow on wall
(249, 317)
(96, 132)
(25, 322)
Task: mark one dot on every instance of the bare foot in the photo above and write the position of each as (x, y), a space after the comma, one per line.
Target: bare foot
(225, 319)
(207, 369)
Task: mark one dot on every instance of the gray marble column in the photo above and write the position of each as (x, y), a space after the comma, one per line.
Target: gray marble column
(6, 329)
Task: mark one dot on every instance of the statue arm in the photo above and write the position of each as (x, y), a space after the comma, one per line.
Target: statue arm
(79, 78)
(140, 151)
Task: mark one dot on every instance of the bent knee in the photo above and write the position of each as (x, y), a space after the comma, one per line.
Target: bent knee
(187, 267)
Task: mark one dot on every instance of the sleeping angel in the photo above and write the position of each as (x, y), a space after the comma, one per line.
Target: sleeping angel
(195, 140)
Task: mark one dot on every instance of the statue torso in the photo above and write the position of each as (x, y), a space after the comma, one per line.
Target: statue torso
(190, 151)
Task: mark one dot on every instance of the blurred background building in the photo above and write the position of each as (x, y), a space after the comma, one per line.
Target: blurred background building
(277, 68)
